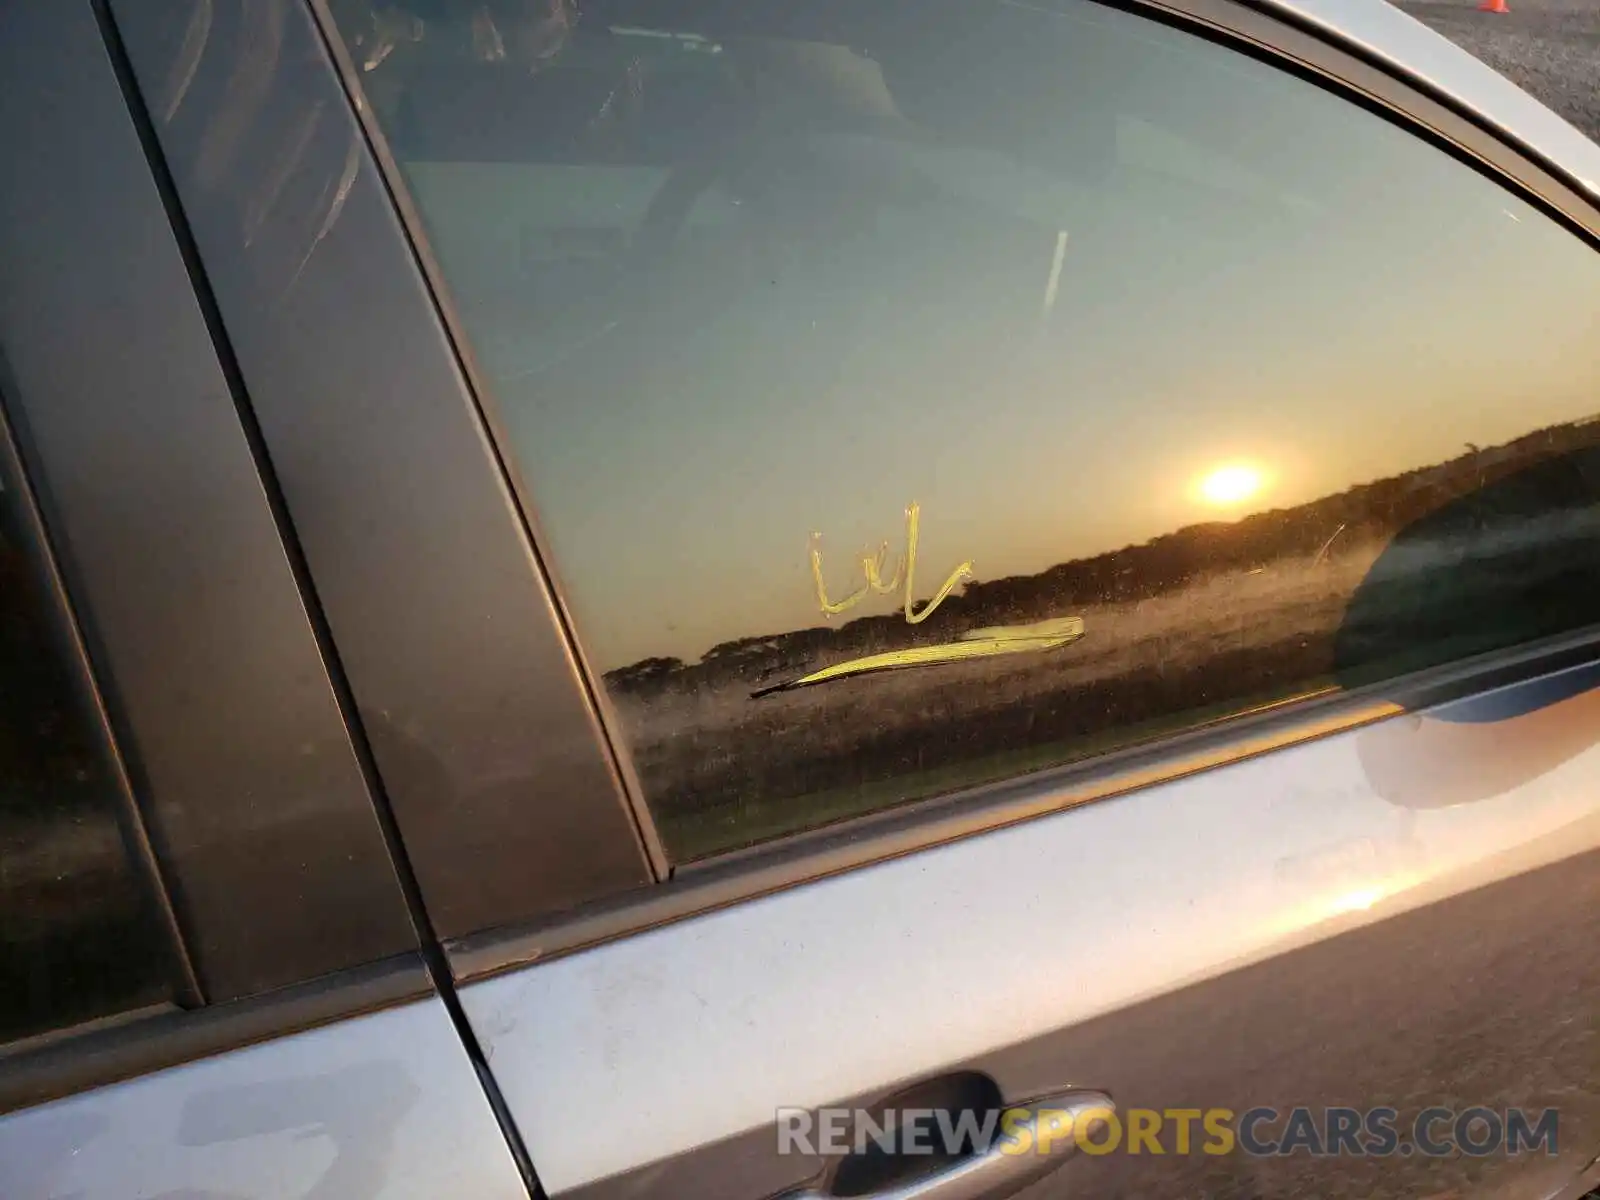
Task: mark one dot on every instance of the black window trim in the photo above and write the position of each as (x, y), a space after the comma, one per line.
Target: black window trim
(385, 584)
(586, 678)
(76, 1057)
(182, 496)
(1242, 26)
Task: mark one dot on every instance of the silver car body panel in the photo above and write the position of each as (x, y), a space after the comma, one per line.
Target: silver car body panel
(381, 1107)
(1416, 52)
(691, 1035)
(652, 1048)
(686, 1034)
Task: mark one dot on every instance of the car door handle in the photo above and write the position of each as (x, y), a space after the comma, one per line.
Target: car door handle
(1013, 1158)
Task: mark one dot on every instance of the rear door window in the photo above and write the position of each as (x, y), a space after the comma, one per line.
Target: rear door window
(915, 396)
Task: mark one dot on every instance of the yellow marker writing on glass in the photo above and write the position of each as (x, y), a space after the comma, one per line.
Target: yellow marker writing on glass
(872, 568)
(975, 643)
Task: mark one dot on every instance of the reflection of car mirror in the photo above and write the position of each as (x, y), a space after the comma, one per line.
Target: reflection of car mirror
(1499, 565)
(1433, 761)
(1494, 566)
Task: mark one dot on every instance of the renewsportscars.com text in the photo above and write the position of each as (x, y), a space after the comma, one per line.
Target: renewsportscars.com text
(1260, 1132)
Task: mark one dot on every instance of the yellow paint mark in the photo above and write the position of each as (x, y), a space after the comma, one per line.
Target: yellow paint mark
(975, 644)
(872, 569)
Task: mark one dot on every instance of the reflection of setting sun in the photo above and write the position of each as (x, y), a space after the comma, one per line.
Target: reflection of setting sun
(1357, 901)
(1230, 484)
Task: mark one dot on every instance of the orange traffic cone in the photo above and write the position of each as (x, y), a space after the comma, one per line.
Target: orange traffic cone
(1494, 6)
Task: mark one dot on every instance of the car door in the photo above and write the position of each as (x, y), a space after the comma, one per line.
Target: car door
(940, 559)
(211, 983)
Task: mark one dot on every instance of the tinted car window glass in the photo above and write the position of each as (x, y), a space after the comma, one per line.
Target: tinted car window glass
(919, 394)
(78, 935)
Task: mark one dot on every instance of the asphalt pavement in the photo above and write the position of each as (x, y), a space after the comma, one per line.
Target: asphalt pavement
(1549, 47)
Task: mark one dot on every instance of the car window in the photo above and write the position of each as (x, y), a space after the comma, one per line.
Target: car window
(919, 395)
(79, 938)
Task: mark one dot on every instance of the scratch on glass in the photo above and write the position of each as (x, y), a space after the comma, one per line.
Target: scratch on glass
(190, 52)
(347, 181)
(1053, 284)
(389, 29)
(487, 43)
(257, 211)
(260, 49)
